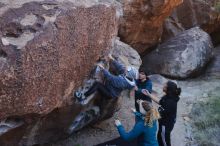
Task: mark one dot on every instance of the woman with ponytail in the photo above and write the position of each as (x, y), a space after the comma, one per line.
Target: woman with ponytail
(145, 128)
(168, 111)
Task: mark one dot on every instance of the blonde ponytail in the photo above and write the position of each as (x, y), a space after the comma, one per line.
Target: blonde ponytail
(151, 116)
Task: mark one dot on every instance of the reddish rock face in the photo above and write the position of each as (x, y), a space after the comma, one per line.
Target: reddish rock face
(171, 27)
(192, 13)
(47, 49)
(141, 24)
(197, 12)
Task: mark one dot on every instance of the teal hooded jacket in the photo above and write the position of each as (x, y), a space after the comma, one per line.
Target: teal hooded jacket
(146, 135)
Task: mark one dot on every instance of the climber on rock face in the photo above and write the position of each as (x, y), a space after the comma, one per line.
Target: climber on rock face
(114, 84)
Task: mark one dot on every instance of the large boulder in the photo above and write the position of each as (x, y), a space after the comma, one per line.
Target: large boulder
(142, 22)
(192, 13)
(183, 56)
(52, 45)
(47, 50)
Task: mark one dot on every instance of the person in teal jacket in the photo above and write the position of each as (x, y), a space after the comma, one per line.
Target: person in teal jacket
(145, 128)
(142, 83)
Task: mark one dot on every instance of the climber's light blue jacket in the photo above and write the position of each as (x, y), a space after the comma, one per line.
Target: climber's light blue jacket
(146, 135)
(116, 84)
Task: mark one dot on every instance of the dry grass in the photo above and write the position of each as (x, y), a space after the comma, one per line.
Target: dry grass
(217, 6)
(206, 117)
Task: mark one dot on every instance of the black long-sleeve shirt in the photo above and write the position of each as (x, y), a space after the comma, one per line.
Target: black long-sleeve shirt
(168, 115)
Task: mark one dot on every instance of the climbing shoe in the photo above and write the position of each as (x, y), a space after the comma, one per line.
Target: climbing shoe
(78, 95)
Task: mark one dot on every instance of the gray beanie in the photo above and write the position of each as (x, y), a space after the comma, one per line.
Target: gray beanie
(131, 73)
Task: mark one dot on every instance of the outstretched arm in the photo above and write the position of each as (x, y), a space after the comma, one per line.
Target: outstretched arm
(135, 132)
(116, 81)
(147, 87)
(153, 97)
(118, 66)
(108, 76)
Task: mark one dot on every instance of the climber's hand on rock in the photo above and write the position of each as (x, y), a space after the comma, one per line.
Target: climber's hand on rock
(101, 66)
(133, 110)
(110, 57)
(117, 123)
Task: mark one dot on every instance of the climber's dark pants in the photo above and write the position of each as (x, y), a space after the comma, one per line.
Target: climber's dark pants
(101, 88)
(163, 135)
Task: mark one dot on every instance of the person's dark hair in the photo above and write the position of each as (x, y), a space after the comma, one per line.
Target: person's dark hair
(172, 89)
(143, 71)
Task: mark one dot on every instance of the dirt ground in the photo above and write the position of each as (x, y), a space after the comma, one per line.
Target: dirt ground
(193, 91)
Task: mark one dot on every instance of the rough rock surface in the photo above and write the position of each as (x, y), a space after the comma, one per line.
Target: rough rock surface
(171, 27)
(127, 54)
(42, 46)
(141, 23)
(192, 13)
(47, 50)
(183, 56)
(198, 13)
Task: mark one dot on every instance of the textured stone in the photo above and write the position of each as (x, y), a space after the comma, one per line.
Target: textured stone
(47, 50)
(171, 27)
(193, 13)
(56, 51)
(127, 54)
(198, 13)
(183, 56)
(141, 24)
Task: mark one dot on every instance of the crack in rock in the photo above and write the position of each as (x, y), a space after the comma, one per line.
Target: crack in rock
(8, 124)
(50, 18)
(20, 42)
